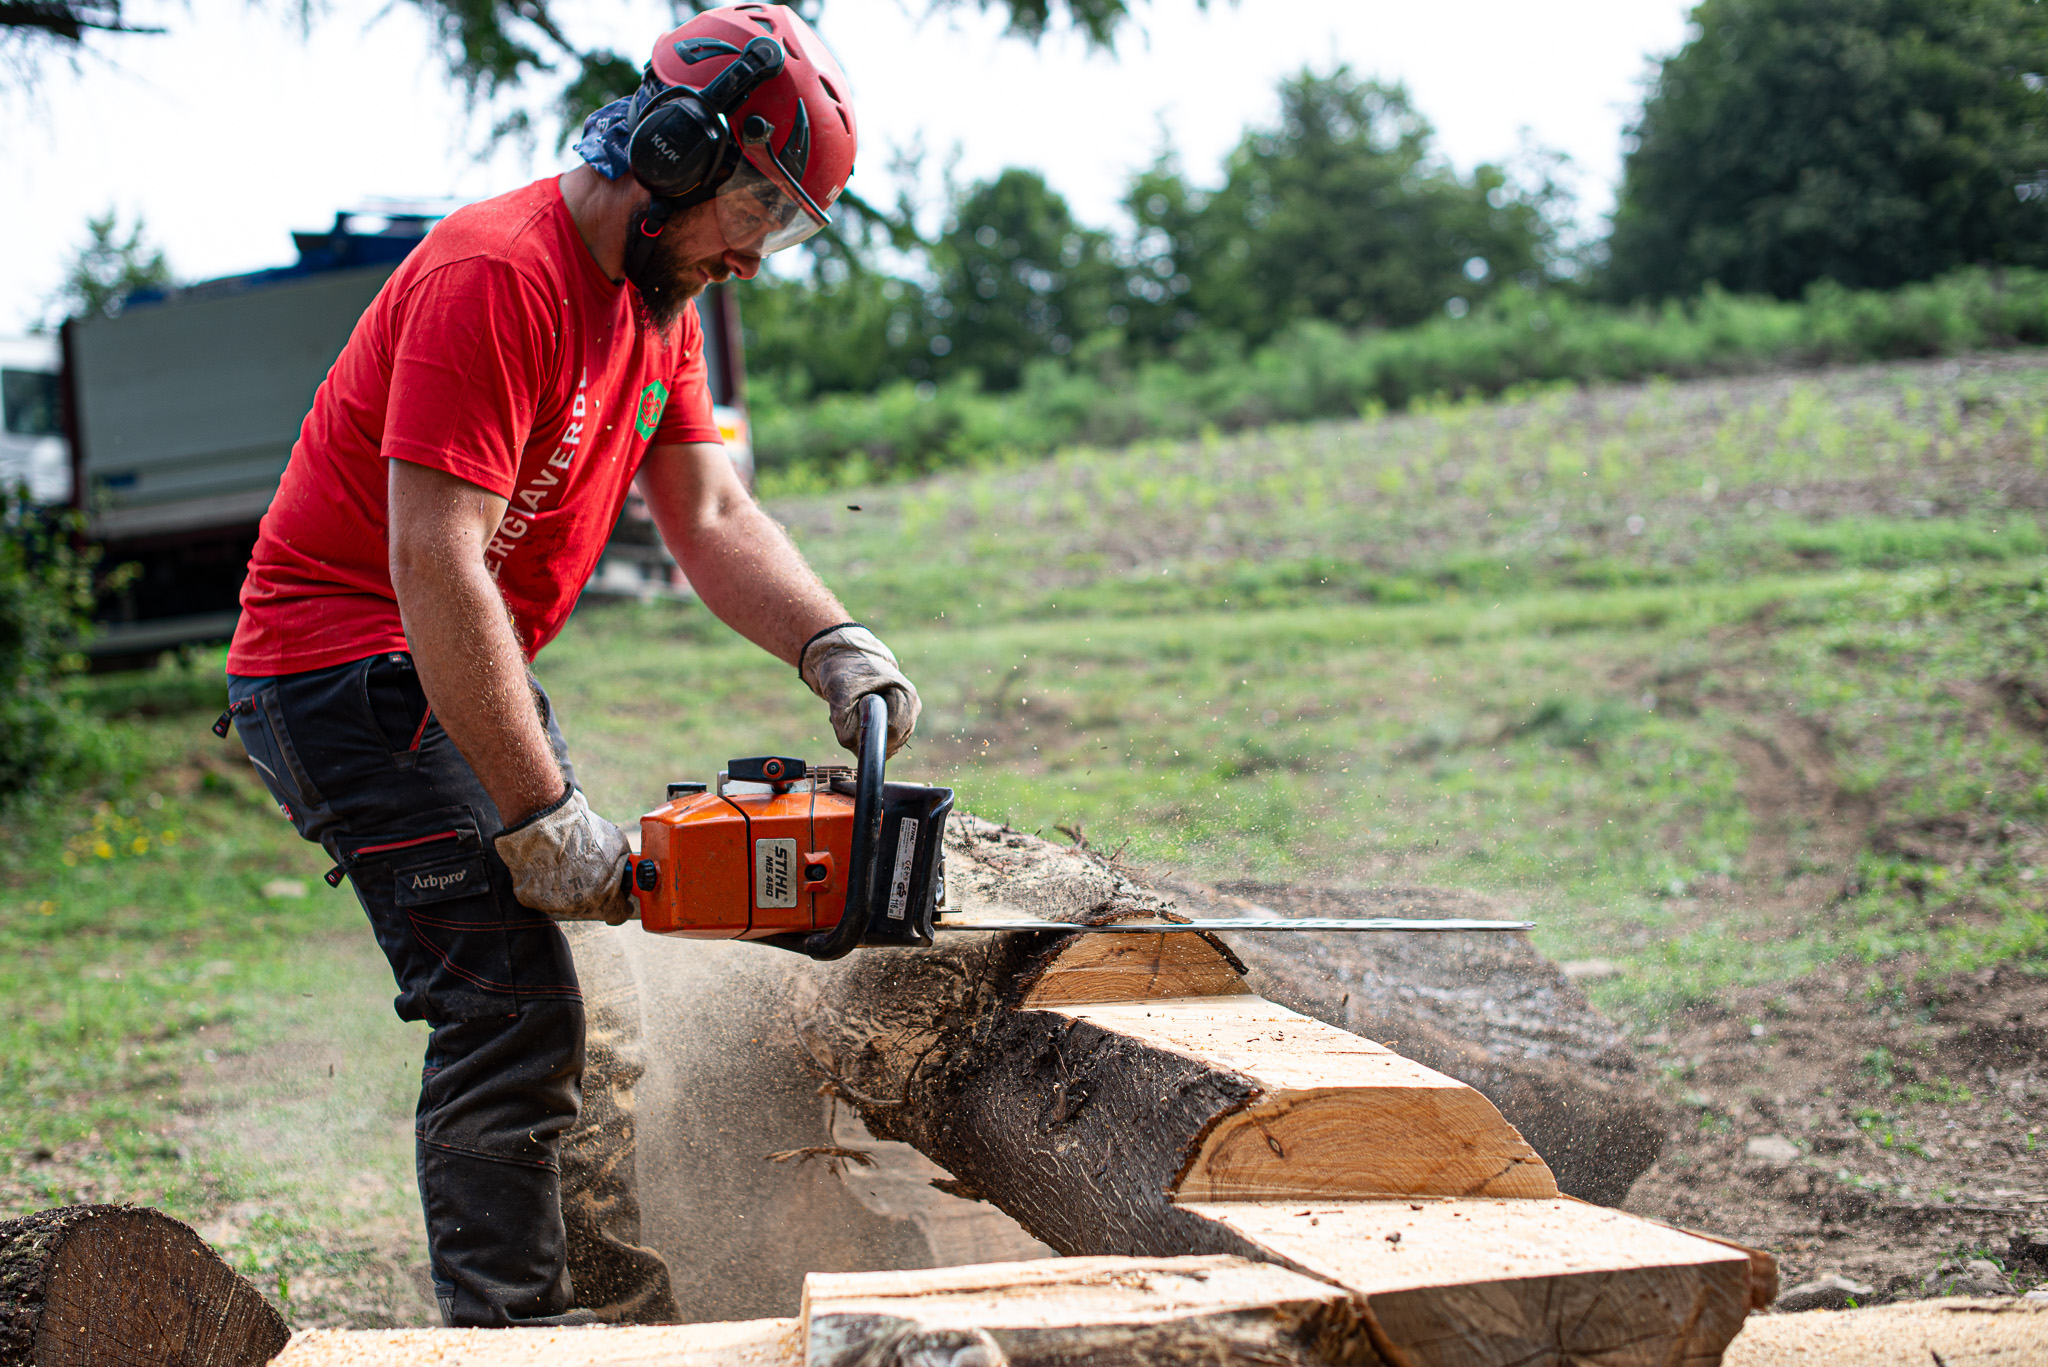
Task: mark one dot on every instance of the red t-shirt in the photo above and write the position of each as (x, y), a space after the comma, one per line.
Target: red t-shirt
(500, 353)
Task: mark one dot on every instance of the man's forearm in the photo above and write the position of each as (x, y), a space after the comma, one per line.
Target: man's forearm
(475, 677)
(743, 566)
(456, 622)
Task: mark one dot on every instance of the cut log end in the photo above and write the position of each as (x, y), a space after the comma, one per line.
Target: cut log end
(117, 1286)
(1107, 1312)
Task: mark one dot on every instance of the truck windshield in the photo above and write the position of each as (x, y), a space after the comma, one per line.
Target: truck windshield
(29, 398)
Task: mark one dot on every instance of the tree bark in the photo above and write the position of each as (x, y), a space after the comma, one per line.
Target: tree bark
(1486, 1009)
(118, 1286)
(1130, 1095)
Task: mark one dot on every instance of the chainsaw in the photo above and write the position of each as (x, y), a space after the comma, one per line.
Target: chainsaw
(822, 859)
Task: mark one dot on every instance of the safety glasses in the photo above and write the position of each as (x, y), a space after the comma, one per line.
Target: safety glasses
(761, 210)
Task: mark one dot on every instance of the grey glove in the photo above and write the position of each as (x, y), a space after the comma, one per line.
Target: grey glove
(569, 862)
(844, 664)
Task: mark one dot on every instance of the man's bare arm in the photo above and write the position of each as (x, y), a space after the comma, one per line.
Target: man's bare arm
(461, 635)
(737, 559)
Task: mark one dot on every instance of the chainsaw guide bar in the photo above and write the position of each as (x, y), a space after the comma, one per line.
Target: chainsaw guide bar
(1247, 923)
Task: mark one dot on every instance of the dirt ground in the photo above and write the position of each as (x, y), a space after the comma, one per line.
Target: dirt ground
(1881, 1129)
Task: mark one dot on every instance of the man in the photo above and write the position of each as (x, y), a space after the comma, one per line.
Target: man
(448, 497)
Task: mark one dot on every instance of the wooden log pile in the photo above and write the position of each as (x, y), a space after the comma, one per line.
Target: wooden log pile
(1131, 1095)
(1230, 1179)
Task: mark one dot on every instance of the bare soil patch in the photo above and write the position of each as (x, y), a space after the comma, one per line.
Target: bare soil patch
(1866, 1125)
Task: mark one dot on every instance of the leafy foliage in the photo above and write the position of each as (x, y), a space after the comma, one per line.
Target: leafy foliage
(1316, 370)
(1869, 142)
(109, 268)
(28, 28)
(848, 330)
(45, 596)
(1017, 278)
(498, 49)
(1344, 212)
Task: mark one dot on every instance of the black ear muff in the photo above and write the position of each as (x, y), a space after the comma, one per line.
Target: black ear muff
(680, 140)
(676, 143)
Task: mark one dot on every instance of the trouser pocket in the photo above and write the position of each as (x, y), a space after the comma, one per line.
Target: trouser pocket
(461, 947)
(259, 722)
(397, 706)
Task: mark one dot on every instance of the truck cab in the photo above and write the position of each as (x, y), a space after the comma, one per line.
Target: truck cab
(184, 408)
(33, 452)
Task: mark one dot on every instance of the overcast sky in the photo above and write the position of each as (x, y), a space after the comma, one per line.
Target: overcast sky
(232, 130)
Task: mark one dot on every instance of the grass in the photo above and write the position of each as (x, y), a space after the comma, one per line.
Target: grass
(167, 952)
(1718, 681)
(1315, 371)
(1578, 754)
(1878, 467)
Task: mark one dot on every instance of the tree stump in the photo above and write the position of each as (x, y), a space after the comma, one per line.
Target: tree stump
(121, 1286)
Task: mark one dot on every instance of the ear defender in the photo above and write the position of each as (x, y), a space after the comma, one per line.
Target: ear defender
(676, 143)
(680, 141)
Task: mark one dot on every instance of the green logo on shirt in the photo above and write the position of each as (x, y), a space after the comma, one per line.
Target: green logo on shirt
(653, 399)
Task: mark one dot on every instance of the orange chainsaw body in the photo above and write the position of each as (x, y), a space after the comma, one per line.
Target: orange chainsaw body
(813, 859)
(744, 865)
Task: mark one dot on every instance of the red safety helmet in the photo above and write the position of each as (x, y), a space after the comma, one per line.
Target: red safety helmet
(786, 144)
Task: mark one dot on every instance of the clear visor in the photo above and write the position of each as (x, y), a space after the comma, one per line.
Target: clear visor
(761, 212)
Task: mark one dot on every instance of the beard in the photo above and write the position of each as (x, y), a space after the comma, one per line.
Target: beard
(663, 284)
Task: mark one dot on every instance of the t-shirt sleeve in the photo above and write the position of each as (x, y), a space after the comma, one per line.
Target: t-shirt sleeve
(688, 416)
(474, 348)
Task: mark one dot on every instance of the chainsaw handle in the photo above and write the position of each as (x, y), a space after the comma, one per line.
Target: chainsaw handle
(845, 937)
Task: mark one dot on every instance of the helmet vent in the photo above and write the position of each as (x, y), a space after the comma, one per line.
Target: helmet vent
(695, 50)
(826, 81)
(764, 21)
(794, 51)
(796, 151)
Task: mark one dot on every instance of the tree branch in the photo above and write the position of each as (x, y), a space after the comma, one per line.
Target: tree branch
(65, 20)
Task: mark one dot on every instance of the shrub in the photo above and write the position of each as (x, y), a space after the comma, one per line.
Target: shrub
(1314, 370)
(45, 598)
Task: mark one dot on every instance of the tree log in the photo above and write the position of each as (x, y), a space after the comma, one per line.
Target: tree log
(1136, 1098)
(1021, 1061)
(1487, 1010)
(118, 1286)
(748, 1343)
(1105, 1312)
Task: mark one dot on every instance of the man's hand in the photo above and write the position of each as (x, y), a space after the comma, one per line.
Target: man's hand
(846, 663)
(747, 572)
(569, 862)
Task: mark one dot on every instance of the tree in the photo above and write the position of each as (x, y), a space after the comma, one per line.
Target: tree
(1343, 212)
(109, 268)
(847, 328)
(28, 27)
(498, 49)
(1017, 278)
(1869, 142)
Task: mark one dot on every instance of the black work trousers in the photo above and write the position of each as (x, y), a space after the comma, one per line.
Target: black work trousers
(359, 765)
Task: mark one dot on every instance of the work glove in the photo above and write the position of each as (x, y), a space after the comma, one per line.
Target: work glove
(569, 862)
(844, 664)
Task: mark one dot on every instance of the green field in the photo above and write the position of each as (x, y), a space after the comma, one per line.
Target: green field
(1715, 681)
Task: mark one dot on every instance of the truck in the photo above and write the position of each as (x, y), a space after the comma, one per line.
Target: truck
(33, 454)
(182, 408)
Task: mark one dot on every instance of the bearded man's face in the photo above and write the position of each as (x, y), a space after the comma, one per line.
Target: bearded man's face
(673, 267)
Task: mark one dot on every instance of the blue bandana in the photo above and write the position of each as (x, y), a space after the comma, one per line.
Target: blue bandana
(603, 143)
